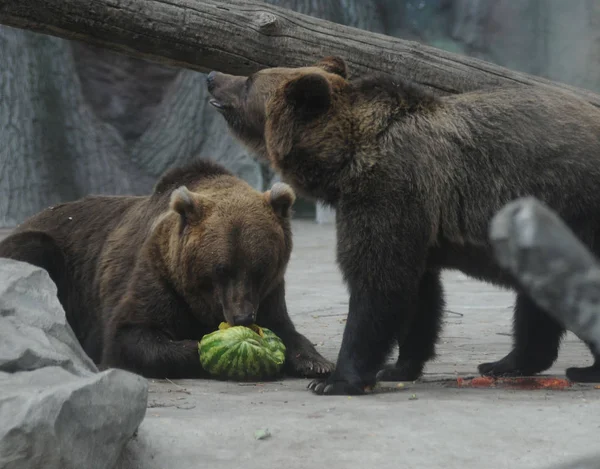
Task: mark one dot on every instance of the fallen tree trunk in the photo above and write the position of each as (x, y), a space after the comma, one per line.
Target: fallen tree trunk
(242, 36)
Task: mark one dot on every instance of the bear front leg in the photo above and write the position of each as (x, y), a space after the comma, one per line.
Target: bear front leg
(382, 255)
(374, 317)
(419, 345)
(150, 352)
(302, 359)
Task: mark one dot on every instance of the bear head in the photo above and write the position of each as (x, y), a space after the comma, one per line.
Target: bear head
(225, 247)
(277, 108)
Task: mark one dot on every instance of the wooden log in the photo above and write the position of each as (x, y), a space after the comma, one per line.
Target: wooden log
(243, 36)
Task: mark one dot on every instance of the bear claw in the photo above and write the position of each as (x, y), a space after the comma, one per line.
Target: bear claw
(408, 370)
(334, 388)
(309, 366)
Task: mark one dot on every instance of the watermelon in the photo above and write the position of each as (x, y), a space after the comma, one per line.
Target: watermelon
(242, 353)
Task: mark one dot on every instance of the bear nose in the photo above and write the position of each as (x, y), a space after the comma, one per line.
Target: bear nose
(211, 78)
(246, 320)
(245, 316)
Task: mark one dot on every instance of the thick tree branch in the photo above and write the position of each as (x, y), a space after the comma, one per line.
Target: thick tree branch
(242, 36)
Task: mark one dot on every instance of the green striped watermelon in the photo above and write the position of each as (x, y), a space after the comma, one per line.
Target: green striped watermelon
(242, 353)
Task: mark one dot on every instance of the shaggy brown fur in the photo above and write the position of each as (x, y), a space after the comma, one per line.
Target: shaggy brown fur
(415, 181)
(142, 279)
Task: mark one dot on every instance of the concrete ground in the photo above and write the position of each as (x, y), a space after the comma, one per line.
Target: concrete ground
(426, 425)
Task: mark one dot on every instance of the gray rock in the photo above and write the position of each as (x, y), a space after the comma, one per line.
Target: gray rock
(56, 410)
(51, 418)
(551, 263)
(34, 332)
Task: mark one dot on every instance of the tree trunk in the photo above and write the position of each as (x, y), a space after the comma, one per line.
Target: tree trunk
(242, 36)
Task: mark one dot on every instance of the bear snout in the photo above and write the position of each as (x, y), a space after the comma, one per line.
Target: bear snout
(244, 314)
(210, 80)
(224, 89)
(245, 317)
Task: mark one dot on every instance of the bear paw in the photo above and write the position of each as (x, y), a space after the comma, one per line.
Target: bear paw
(514, 365)
(309, 364)
(404, 370)
(499, 369)
(590, 374)
(335, 387)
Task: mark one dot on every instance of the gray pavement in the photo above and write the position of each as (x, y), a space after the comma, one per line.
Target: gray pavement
(430, 424)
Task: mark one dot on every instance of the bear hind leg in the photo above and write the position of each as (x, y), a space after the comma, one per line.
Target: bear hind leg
(419, 345)
(536, 338)
(590, 374)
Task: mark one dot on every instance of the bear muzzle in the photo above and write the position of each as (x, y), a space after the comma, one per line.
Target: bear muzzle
(225, 89)
(237, 308)
(210, 83)
(244, 316)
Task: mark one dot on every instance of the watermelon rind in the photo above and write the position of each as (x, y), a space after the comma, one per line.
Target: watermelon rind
(242, 353)
(274, 344)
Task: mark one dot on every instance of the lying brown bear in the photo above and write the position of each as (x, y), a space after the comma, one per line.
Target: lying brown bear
(415, 181)
(142, 279)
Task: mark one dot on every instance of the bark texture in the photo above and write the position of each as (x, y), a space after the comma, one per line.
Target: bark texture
(242, 36)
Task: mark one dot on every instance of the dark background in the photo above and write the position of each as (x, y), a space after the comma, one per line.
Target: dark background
(76, 120)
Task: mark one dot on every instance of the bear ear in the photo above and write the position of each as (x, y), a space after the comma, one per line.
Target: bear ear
(281, 197)
(190, 206)
(333, 64)
(309, 95)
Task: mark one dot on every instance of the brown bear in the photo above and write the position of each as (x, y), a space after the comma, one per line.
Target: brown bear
(415, 180)
(142, 279)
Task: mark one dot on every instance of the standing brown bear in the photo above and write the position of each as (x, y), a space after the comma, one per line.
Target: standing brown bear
(415, 181)
(142, 279)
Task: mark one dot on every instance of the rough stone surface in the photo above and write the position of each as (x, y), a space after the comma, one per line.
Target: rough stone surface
(555, 267)
(56, 410)
(34, 332)
(51, 418)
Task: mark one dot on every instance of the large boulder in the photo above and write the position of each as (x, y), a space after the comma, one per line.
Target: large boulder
(56, 409)
(51, 418)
